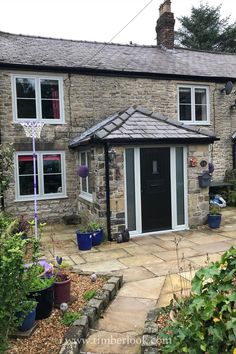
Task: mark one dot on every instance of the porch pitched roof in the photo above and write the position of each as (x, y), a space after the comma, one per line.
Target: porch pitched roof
(136, 125)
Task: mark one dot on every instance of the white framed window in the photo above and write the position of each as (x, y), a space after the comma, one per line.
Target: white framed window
(50, 175)
(38, 98)
(193, 104)
(86, 188)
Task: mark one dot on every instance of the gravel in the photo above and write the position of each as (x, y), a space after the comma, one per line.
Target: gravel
(49, 335)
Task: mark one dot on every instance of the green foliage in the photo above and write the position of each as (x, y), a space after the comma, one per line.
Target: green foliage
(206, 321)
(214, 209)
(14, 281)
(6, 167)
(232, 194)
(39, 283)
(88, 295)
(92, 226)
(204, 29)
(70, 317)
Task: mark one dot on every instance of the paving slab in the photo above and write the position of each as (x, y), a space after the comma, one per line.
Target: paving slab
(168, 267)
(144, 249)
(148, 288)
(126, 314)
(135, 273)
(101, 267)
(182, 253)
(213, 247)
(230, 234)
(208, 238)
(77, 259)
(205, 260)
(144, 240)
(105, 255)
(142, 259)
(103, 342)
(174, 283)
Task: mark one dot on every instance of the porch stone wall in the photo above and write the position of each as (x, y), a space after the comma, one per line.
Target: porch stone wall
(198, 198)
(97, 210)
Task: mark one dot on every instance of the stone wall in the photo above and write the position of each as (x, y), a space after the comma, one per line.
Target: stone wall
(198, 198)
(88, 99)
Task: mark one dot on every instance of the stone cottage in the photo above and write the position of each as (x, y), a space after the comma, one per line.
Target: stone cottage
(146, 120)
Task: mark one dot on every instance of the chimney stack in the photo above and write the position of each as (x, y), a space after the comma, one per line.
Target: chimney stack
(165, 25)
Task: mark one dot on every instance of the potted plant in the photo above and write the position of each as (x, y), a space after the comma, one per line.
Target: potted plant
(27, 315)
(214, 216)
(62, 285)
(90, 235)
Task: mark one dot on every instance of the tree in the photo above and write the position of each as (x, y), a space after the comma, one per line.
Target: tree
(206, 30)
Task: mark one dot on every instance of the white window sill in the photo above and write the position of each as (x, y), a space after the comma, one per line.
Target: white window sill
(87, 197)
(194, 123)
(31, 199)
(52, 122)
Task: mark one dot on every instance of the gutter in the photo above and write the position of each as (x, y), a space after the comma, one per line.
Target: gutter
(115, 73)
(107, 181)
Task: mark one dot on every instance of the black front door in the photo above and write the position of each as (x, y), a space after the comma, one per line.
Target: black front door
(155, 189)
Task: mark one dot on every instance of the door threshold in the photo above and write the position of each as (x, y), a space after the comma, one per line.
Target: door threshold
(157, 232)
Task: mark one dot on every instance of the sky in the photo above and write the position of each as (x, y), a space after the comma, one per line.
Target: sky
(95, 20)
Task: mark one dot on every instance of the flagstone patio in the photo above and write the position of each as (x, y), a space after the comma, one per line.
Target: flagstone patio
(150, 268)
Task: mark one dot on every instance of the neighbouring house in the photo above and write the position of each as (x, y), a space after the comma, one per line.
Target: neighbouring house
(146, 120)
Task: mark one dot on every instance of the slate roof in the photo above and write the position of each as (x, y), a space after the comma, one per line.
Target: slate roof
(136, 124)
(60, 54)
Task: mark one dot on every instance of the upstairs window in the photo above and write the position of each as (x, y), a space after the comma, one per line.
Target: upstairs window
(38, 98)
(50, 175)
(193, 104)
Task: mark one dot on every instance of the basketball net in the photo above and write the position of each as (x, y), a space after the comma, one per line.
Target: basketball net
(32, 129)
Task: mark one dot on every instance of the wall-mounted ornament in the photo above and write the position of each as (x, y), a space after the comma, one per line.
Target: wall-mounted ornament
(83, 171)
(193, 162)
(203, 163)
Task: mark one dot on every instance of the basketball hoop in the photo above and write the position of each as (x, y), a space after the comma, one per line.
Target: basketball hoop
(32, 129)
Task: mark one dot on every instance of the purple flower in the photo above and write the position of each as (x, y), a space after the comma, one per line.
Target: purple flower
(59, 260)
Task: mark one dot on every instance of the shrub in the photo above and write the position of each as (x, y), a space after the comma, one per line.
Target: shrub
(206, 321)
(70, 317)
(88, 295)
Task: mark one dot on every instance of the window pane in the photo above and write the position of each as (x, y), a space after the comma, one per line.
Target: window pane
(185, 95)
(51, 163)
(49, 89)
(25, 88)
(50, 109)
(83, 158)
(27, 185)
(180, 186)
(200, 113)
(26, 164)
(52, 183)
(185, 112)
(26, 108)
(200, 96)
(84, 185)
(130, 185)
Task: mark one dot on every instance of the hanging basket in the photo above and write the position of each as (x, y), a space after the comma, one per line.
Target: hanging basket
(83, 171)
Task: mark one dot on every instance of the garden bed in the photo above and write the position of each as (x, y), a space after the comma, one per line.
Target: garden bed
(50, 333)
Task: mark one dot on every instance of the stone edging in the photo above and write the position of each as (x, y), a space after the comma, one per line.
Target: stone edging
(150, 333)
(76, 334)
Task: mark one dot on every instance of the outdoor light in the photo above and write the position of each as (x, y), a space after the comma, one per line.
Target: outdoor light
(33, 130)
(112, 154)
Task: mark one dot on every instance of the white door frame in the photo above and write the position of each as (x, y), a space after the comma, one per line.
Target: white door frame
(138, 204)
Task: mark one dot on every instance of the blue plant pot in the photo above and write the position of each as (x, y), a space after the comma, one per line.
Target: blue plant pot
(84, 240)
(214, 221)
(28, 322)
(97, 237)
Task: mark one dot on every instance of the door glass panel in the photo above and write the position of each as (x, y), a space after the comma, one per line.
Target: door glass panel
(130, 190)
(180, 186)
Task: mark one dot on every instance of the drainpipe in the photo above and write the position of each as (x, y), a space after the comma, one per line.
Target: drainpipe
(107, 180)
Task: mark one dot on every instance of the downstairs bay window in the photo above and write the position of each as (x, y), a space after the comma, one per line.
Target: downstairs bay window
(50, 175)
